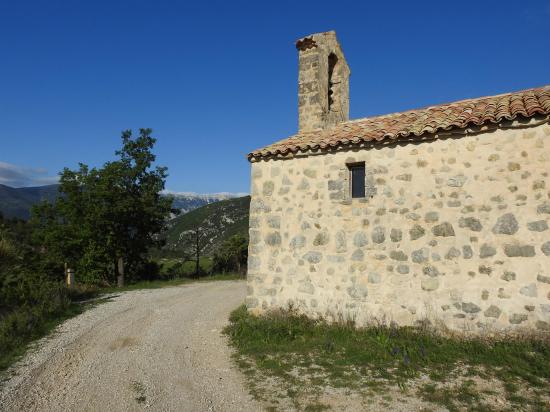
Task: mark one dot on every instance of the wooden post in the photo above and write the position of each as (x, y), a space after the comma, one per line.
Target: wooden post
(70, 277)
(120, 277)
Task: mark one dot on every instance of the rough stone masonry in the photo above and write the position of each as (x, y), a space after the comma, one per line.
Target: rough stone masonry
(453, 228)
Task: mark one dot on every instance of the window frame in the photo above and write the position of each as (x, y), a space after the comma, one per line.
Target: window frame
(351, 167)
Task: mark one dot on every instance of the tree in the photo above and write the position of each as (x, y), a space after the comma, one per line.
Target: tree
(107, 218)
(196, 239)
(232, 255)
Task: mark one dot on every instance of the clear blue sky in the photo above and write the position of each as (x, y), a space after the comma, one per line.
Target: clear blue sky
(217, 79)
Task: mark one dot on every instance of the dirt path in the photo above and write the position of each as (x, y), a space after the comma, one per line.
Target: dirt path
(157, 349)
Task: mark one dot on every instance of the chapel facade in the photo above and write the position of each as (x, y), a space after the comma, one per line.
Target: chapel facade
(437, 215)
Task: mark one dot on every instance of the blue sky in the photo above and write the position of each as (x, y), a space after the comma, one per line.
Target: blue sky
(216, 79)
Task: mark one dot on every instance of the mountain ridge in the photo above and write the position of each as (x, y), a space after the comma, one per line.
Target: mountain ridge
(17, 202)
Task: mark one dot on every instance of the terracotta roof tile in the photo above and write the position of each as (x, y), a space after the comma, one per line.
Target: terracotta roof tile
(457, 115)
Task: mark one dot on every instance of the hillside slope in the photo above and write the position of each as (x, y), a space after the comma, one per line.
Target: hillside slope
(216, 221)
(17, 202)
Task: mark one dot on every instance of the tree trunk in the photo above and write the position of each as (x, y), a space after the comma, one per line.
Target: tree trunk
(198, 254)
(120, 275)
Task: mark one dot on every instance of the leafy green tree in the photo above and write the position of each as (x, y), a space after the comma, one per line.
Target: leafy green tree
(107, 218)
(232, 255)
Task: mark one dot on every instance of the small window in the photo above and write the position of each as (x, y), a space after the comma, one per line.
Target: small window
(357, 180)
(332, 60)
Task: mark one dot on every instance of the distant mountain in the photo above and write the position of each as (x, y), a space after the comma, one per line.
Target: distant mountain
(216, 221)
(17, 202)
(187, 201)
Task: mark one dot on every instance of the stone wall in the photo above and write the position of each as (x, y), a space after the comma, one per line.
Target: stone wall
(454, 231)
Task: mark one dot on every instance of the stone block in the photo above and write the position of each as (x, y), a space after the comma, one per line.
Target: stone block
(420, 255)
(457, 181)
(402, 269)
(396, 235)
(321, 239)
(452, 253)
(544, 208)
(378, 235)
(306, 287)
(508, 276)
(273, 239)
(470, 307)
(274, 222)
(374, 277)
(519, 250)
(492, 312)
(517, 318)
(506, 225)
(431, 217)
(398, 255)
(471, 223)
(429, 284)
(297, 242)
(487, 251)
(529, 290)
(444, 229)
(407, 177)
(268, 187)
(358, 255)
(341, 243)
(360, 239)
(313, 257)
(417, 232)
(431, 271)
(537, 226)
(467, 252)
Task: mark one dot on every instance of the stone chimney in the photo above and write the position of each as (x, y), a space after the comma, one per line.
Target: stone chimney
(323, 82)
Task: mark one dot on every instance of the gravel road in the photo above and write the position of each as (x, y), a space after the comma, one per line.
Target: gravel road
(157, 349)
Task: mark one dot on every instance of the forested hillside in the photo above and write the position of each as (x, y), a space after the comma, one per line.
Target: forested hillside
(216, 222)
(17, 202)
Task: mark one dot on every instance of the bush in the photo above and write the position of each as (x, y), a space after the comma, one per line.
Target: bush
(28, 306)
(29, 301)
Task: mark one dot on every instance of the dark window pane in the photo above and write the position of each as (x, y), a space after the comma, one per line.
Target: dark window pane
(357, 181)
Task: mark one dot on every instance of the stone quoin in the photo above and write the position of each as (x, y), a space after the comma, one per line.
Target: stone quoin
(438, 214)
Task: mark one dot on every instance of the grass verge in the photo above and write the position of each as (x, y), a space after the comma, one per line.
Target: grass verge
(156, 284)
(27, 323)
(305, 357)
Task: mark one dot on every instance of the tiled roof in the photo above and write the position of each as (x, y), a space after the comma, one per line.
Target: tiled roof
(457, 115)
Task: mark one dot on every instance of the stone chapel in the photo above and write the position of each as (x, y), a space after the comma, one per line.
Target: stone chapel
(437, 215)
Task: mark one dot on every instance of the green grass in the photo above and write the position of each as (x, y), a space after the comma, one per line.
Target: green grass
(139, 390)
(18, 345)
(284, 344)
(156, 284)
(187, 268)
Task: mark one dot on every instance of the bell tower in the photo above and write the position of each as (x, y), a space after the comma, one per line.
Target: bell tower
(323, 82)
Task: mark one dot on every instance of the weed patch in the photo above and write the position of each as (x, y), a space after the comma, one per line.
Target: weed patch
(448, 371)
